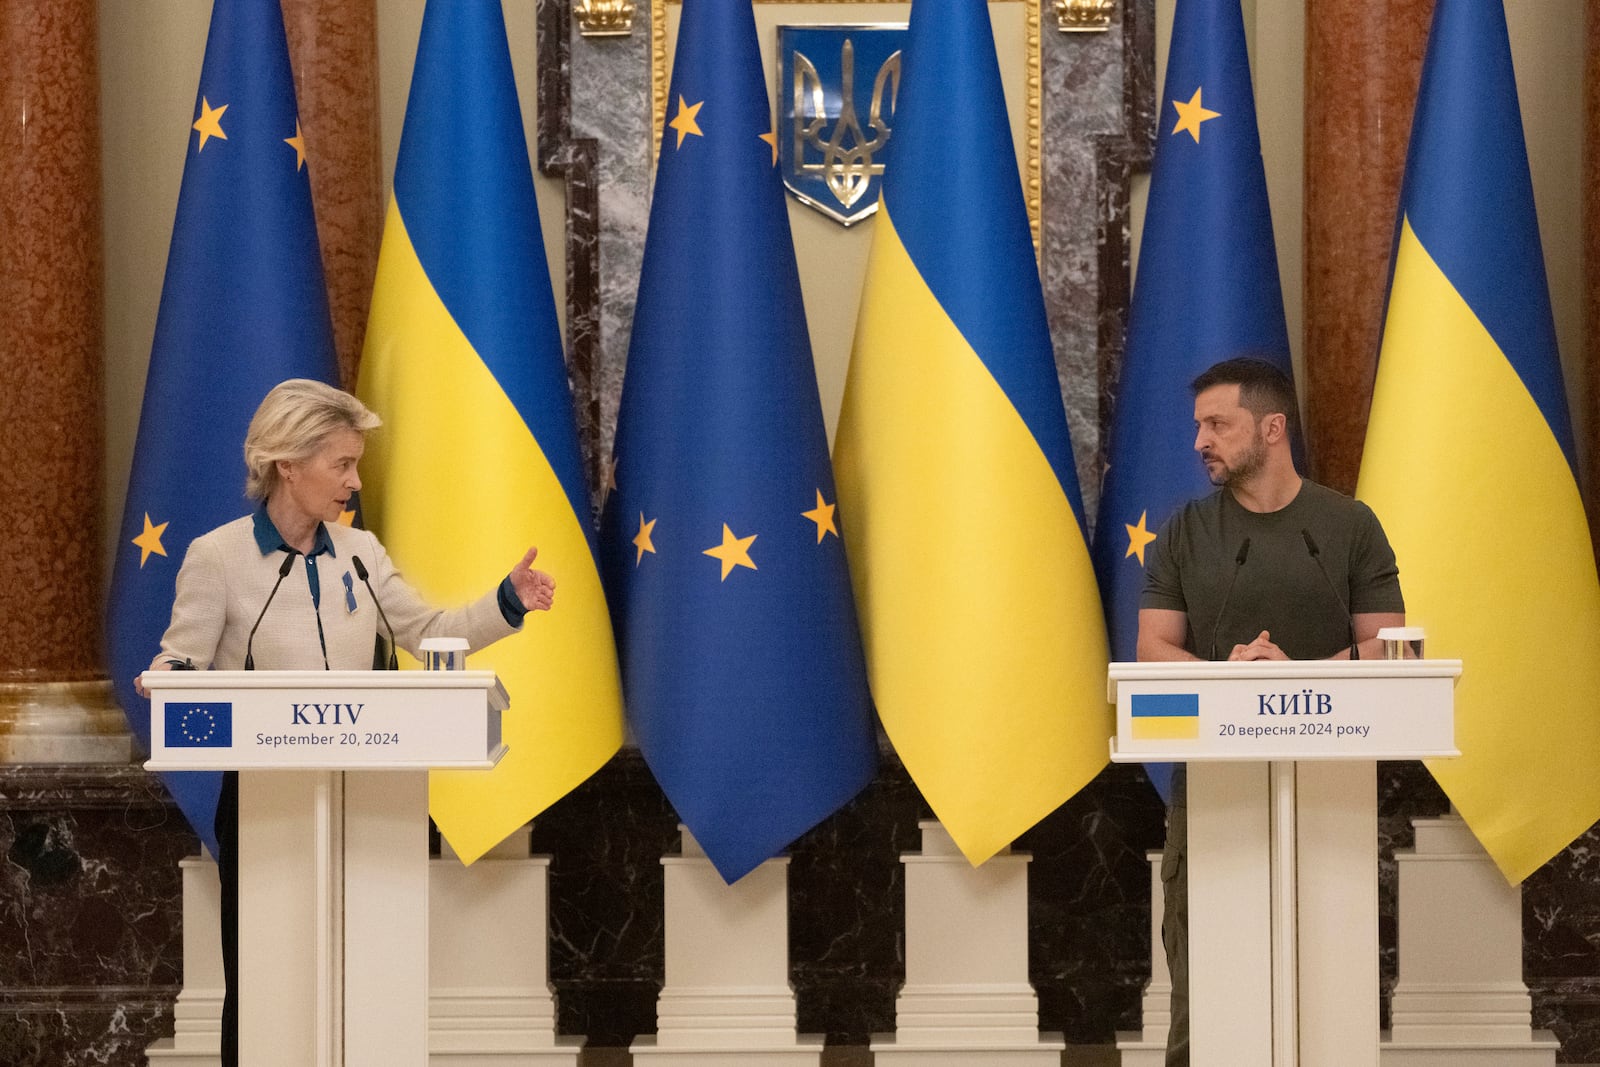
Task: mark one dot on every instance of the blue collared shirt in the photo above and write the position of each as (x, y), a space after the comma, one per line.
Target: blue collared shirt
(269, 540)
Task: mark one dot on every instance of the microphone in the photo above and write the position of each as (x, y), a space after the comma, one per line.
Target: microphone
(361, 572)
(1349, 620)
(1238, 565)
(283, 572)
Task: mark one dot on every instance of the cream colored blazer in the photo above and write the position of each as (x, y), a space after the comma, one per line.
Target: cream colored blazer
(225, 580)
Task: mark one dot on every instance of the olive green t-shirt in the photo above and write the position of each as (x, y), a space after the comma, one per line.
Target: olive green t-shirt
(1278, 588)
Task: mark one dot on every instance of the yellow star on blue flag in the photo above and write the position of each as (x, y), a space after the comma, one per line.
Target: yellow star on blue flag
(209, 124)
(685, 120)
(149, 540)
(733, 552)
(822, 515)
(1139, 537)
(1191, 113)
(642, 540)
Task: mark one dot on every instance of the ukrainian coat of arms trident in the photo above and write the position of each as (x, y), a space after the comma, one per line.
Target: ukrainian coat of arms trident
(832, 161)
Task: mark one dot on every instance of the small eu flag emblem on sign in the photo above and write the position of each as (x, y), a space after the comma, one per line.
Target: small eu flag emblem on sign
(199, 725)
(1165, 716)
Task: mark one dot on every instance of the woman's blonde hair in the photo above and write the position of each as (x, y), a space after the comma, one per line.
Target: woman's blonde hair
(291, 424)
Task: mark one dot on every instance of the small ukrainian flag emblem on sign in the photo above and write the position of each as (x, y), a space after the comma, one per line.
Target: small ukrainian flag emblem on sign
(1165, 716)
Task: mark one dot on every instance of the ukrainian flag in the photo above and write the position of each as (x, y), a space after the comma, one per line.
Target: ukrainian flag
(243, 306)
(1165, 716)
(478, 456)
(986, 647)
(1469, 458)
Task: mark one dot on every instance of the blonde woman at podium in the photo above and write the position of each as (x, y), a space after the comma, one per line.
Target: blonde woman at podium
(290, 587)
(1270, 566)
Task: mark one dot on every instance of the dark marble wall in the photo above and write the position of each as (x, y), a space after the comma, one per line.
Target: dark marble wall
(90, 910)
(1088, 887)
(1560, 915)
(90, 914)
(1561, 947)
(1088, 907)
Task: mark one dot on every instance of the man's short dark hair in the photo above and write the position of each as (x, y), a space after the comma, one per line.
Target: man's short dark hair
(1263, 388)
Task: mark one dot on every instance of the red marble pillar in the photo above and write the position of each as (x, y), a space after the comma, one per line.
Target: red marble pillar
(54, 703)
(51, 341)
(1363, 63)
(333, 47)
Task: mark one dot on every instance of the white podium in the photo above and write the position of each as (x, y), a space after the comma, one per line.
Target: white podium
(333, 842)
(1282, 805)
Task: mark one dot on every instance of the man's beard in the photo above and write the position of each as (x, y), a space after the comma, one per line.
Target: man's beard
(1249, 465)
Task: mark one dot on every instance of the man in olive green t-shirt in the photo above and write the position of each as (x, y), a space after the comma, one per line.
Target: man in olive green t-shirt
(1270, 566)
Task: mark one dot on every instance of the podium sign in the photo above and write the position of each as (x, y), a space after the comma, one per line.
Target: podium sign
(1282, 864)
(1284, 710)
(333, 842)
(311, 720)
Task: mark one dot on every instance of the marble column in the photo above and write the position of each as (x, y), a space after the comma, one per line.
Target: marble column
(1091, 129)
(609, 94)
(55, 705)
(1119, 159)
(577, 161)
(1363, 63)
(333, 47)
(91, 915)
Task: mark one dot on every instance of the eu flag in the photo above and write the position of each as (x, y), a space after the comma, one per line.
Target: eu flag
(242, 308)
(742, 664)
(1469, 458)
(1207, 290)
(199, 725)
